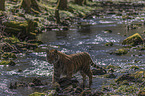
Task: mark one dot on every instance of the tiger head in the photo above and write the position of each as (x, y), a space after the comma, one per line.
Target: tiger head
(52, 56)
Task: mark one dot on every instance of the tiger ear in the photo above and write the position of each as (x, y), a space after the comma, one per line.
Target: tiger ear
(55, 51)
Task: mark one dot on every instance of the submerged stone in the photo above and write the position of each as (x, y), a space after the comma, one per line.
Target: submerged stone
(120, 52)
(98, 71)
(133, 40)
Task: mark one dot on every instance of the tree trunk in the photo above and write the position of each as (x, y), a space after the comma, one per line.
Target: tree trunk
(2, 5)
(81, 2)
(30, 5)
(62, 4)
(57, 16)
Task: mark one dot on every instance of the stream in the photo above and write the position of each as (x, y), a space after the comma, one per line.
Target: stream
(89, 37)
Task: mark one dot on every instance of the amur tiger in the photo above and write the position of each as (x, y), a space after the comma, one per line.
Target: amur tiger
(69, 64)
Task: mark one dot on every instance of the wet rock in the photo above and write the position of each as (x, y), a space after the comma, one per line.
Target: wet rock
(98, 71)
(120, 52)
(127, 77)
(133, 40)
(111, 70)
(108, 31)
(13, 86)
(134, 67)
(109, 44)
(65, 82)
(37, 82)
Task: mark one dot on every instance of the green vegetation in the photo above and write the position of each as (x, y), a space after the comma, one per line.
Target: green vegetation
(121, 52)
(11, 63)
(7, 55)
(38, 94)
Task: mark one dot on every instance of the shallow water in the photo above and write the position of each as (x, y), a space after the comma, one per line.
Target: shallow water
(89, 38)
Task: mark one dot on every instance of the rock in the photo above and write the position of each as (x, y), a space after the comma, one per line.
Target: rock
(98, 71)
(134, 67)
(120, 52)
(108, 31)
(37, 82)
(109, 44)
(127, 77)
(65, 82)
(133, 40)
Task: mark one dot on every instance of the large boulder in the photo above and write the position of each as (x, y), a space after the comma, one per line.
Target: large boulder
(133, 40)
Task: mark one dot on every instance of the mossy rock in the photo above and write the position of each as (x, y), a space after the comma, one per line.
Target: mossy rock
(11, 63)
(133, 40)
(121, 52)
(7, 55)
(109, 44)
(134, 67)
(38, 94)
(112, 66)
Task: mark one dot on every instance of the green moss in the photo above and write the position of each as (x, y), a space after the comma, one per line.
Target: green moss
(121, 52)
(38, 94)
(133, 40)
(111, 66)
(12, 63)
(7, 55)
(134, 67)
(109, 44)
(12, 39)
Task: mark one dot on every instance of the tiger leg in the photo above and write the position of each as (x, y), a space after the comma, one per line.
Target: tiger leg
(56, 76)
(84, 78)
(89, 74)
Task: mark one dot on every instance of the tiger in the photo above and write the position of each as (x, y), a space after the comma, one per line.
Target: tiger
(70, 64)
